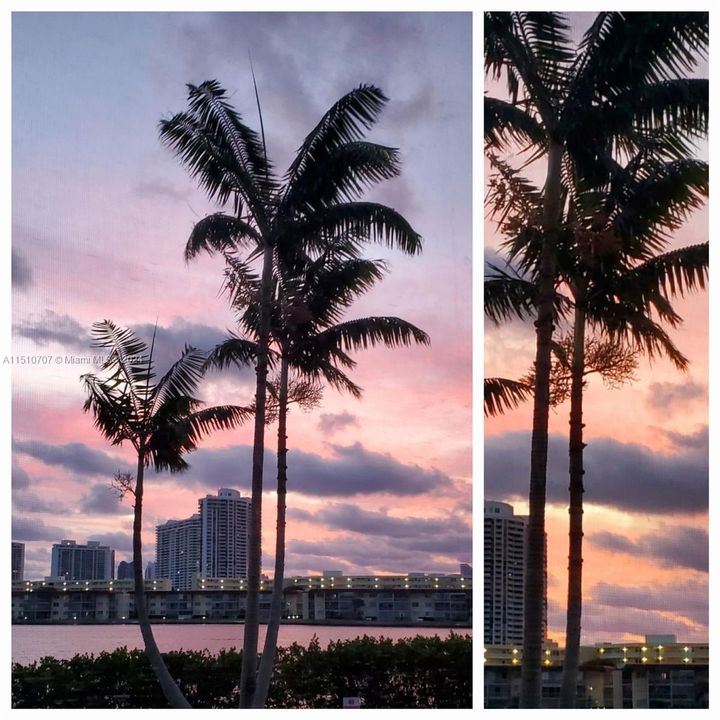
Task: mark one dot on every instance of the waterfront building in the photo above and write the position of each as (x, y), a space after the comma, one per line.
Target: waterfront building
(657, 673)
(177, 551)
(18, 561)
(411, 599)
(92, 561)
(225, 526)
(505, 552)
(213, 543)
(125, 570)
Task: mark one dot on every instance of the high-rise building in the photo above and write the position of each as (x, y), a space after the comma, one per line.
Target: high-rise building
(213, 543)
(125, 570)
(504, 587)
(150, 570)
(177, 551)
(82, 562)
(18, 561)
(225, 523)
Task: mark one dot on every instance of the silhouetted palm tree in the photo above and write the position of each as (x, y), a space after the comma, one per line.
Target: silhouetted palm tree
(616, 284)
(163, 421)
(582, 108)
(286, 219)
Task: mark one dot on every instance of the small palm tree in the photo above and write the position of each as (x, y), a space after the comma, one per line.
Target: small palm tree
(163, 421)
(317, 200)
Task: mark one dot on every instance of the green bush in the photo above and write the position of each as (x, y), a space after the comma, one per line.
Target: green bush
(418, 672)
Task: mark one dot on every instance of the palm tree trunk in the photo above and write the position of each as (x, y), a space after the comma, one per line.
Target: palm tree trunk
(250, 636)
(535, 590)
(276, 603)
(170, 689)
(568, 689)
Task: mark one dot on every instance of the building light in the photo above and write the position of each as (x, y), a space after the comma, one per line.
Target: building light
(547, 652)
(643, 648)
(686, 660)
(515, 661)
(660, 657)
(547, 662)
(515, 651)
(601, 651)
(644, 659)
(686, 648)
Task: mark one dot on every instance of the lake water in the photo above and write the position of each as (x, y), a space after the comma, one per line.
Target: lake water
(33, 642)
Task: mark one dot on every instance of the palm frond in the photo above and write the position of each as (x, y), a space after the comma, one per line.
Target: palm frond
(172, 439)
(233, 351)
(507, 125)
(364, 333)
(357, 222)
(340, 175)
(501, 395)
(345, 122)
(220, 233)
(181, 379)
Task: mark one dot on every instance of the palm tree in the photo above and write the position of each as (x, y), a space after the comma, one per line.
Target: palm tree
(162, 420)
(311, 341)
(317, 199)
(581, 109)
(616, 284)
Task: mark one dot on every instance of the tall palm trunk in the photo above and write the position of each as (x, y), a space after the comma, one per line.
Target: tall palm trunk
(568, 690)
(276, 603)
(534, 610)
(250, 637)
(172, 692)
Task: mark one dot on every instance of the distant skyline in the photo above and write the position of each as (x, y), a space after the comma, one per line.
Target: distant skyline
(646, 471)
(101, 212)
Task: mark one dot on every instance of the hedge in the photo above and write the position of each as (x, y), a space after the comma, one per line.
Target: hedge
(420, 672)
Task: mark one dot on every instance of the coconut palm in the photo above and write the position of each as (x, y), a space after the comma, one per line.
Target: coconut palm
(310, 341)
(163, 421)
(616, 284)
(316, 199)
(581, 109)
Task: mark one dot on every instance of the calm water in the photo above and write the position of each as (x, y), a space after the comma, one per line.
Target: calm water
(33, 642)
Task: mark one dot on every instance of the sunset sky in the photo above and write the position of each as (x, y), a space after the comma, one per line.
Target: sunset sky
(101, 212)
(646, 481)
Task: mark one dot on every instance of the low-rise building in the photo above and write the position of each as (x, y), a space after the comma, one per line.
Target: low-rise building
(657, 673)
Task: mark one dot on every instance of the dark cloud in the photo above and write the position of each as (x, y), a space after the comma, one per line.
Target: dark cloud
(27, 529)
(76, 457)
(664, 396)
(170, 342)
(365, 555)
(688, 599)
(625, 476)
(32, 503)
(353, 470)
(21, 271)
(103, 499)
(697, 440)
(330, 423)
(53, 328)
(612, 621)
(121, 541)
(679, 547)
(20, 479)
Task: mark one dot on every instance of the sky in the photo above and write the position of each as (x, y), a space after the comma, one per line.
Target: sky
(101, 211)
(645, 567)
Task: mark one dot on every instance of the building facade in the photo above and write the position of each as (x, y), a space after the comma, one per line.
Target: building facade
(505, 536)
(18, 561)
(177, 552)
(92, 561)
(225, 524)
(655, 674)
(412, 599)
